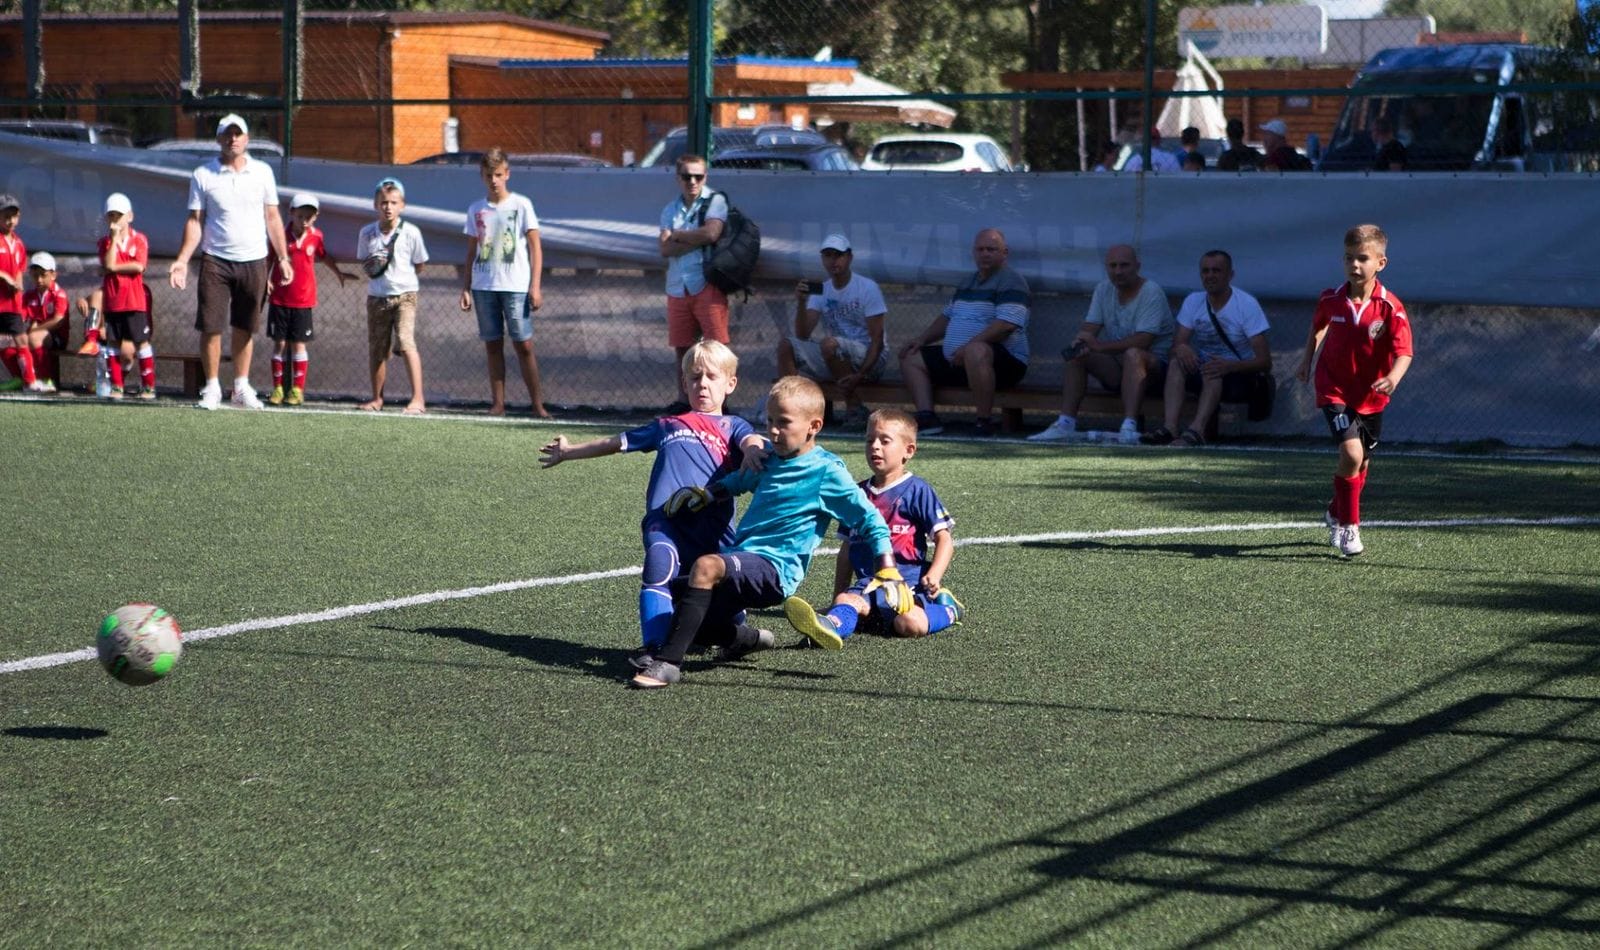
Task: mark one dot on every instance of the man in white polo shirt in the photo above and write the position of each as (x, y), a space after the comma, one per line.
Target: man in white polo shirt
(233, 217)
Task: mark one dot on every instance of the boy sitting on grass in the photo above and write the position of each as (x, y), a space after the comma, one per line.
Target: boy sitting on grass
(697, 447)
(914, 515)
(797, 494)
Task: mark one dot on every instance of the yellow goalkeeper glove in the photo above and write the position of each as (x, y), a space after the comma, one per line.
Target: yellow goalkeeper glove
(690, 498)
(897, 594)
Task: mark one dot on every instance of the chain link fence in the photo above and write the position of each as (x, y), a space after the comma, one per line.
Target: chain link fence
(573, 89)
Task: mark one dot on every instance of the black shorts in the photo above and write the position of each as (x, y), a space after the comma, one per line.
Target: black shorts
(1008, 370)
(132, 326)
(289, 323)
(13, 323)
(751, 581)
(1346, 425)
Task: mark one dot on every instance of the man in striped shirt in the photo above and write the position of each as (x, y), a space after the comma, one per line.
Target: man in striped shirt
(979, 341)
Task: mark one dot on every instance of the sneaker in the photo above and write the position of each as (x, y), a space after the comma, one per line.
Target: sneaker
(641, 658)
(37, 386)
(276, 396)
(947, 599)
(856, 418)
(739, 649)
(294, 397)
(115, 393)
(1333, 526)
(1350, 540)
(49, 386)
(11, 385)
(245, 398)
(804, 619)
(929, 423)
(1058, 432)
(147, 393)
(1128, 435)
(658, 675)
(210, 398)
(1160, 435)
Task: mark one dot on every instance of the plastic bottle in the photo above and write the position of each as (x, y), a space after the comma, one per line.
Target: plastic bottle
(102, 374)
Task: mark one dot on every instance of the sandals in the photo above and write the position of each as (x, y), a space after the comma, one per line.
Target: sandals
(1160, 435)
(1190, 438)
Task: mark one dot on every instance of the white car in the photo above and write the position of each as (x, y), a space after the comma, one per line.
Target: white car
(937, 152)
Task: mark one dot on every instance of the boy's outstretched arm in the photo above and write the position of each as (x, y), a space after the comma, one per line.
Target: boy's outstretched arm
(560, 450)
(944, 548)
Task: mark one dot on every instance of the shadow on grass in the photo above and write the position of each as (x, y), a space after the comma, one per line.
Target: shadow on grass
(545, 651)
(1279, 550)
(1489, 828)
(57, 733)
(1582, 600)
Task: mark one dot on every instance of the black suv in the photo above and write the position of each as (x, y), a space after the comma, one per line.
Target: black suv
(675, 143)
(815, 158)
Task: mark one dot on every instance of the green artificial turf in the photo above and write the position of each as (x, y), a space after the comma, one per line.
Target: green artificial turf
(1226, 736)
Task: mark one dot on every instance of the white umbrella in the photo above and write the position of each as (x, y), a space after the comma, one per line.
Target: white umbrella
(1202, 112)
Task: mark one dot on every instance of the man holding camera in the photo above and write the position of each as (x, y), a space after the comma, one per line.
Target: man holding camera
(850, 309)
(1123, 343)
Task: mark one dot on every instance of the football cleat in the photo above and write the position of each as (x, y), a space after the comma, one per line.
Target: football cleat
(820, 630)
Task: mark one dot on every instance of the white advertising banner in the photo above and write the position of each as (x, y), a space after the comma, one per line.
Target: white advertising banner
(1273, 30)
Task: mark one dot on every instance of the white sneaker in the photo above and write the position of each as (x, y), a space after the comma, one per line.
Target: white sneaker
(1333, 528)
(39, 386)
(1128, 435)
(245, 397)
(1350, 540)
(210, 398)
(1058, 432)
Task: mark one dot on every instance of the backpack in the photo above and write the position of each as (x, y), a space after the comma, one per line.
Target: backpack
(730, 262)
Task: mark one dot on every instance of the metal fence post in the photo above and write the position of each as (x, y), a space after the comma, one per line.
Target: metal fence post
(700, 77)
(293, 27)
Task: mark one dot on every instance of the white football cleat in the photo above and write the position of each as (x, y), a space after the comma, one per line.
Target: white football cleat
(1350, 540)
(244, 397)
(210, 398)
(1333, 527)
(1057, 432)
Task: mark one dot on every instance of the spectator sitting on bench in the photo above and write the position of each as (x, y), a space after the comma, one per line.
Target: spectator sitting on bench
(984, 329)
(1203, 359)
(1123, 342)
(851, 349)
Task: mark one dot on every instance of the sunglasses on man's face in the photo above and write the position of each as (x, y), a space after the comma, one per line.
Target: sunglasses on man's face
(686, 176)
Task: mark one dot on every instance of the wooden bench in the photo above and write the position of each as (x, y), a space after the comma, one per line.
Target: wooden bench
(1099, 410)
(193, 376)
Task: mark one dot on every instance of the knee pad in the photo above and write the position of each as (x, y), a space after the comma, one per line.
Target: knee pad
(660, 564)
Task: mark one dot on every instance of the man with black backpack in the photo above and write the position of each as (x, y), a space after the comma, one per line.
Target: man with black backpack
(696, 309)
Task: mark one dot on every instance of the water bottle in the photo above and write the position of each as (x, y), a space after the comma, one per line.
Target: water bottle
(102, 374)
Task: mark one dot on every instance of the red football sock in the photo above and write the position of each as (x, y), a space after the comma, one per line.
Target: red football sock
(8, 356)
(1345, 504)
(1355, 500)
(44, 363)
(91, 336)
(300, 372)
(25, 366)
(114, 367)
(147, 371)
(277, 370)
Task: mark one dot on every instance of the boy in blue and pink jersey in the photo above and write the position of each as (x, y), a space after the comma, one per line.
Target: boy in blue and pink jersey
(697, 447)
(915, 517)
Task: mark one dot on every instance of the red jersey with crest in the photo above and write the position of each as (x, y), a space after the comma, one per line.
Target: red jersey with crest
(124, 293)
(40, 305)
(14, 261)
(304, 252)
(1360, 348)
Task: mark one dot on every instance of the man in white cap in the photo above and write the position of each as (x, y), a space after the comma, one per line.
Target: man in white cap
(852, 348)
(1281, 156)
(233, 218)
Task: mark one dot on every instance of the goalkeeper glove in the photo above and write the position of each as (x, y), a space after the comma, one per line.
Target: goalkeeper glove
(897, 594)
(690, 498)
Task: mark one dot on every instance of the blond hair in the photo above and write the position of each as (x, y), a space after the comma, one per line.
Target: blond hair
(1366, 234)
(894, 417)
(710, 353)
(493, 159)
(799, 395)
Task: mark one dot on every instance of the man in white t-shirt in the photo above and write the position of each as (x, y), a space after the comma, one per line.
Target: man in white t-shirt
(852, 348)
(1207, 361)
(505, 266)
(1123, 343)
(233, 217)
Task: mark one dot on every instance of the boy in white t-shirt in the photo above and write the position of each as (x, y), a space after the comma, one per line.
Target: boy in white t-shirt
(1203, 360)
(852, 348)
(505, 263)
(392, 257)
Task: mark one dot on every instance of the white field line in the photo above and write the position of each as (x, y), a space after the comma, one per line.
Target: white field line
(47, 660)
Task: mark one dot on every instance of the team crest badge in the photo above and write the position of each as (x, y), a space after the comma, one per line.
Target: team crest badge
(1375, 329)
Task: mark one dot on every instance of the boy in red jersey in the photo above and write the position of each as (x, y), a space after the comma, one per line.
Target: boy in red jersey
(290, 304)
(13, 328)
(125, 325)
(1366, 349)
(45, 309)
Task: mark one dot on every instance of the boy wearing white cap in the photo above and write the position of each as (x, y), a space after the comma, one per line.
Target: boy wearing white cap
(45, 309)
(293, 298)
(124, 327)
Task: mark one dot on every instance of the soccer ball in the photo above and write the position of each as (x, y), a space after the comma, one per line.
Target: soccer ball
(139, 644)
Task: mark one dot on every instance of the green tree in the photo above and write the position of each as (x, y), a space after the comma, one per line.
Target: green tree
(1545, 22)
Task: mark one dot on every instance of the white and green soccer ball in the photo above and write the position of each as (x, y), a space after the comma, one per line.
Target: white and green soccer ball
(139, 644)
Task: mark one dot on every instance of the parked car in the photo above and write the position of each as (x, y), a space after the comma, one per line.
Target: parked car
(207, 148)
(937, 152)
(815, 158)
(675, 143)
(95, 133)
(518, 160)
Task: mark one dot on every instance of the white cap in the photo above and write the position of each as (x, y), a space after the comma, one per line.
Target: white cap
(836, 242)
(42, 260)
(118, 202)
(232, 118)
(1275, 126)
(303, 200)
